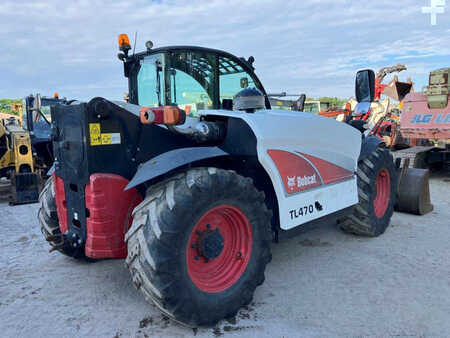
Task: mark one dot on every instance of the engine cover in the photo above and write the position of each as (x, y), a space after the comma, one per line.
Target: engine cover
(310, 159)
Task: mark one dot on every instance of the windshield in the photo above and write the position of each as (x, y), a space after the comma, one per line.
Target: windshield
(192, 80)
(45, 110)
(41, 128)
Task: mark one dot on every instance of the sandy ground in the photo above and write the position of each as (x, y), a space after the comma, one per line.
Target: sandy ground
(320, 283)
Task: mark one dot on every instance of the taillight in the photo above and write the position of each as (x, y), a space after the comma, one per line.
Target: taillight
(170, 115)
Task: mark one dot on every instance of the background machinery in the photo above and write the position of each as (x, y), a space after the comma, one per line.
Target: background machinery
(287, 101)
(382, 119)
(26, 151)
(16, 164)
(190, 186)
(425, 122)
(299, 103)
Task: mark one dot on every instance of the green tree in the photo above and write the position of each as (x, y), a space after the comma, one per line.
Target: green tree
(5, 105)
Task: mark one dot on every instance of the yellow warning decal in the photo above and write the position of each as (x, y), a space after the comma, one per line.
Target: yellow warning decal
(94, 132)
(98, 138)
(110, 138)
(106, 138)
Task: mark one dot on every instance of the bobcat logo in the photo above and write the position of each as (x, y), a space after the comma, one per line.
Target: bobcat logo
(291, 182)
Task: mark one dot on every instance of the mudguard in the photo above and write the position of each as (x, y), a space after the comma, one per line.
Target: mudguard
(171, 160)
(368, 146)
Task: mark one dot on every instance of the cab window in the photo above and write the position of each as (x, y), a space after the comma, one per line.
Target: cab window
(192, 81)
(150, 81)
(233, 78)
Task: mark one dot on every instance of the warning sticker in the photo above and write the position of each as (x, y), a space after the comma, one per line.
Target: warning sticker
(94, 132)
(106, 139)
(98, 138)
(110, 138)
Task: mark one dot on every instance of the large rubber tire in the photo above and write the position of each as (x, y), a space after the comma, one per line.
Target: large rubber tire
(377, 195)
(48, 220)
(164, 260)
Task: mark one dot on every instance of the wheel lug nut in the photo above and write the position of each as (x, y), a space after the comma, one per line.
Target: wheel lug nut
(239, 255)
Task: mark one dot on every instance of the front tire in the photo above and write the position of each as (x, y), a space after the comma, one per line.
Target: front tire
(377, 195)
(199, 245)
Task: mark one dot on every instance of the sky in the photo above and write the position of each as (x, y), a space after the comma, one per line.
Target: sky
(308, 46)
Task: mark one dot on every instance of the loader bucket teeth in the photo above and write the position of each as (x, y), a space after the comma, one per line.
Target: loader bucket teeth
(414, 192)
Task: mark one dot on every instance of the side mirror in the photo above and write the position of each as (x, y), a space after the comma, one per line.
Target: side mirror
(300, 103)
(365, 85)
(37, 105)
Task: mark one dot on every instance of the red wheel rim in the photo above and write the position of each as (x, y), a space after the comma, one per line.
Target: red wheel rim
(383, 186)
(219, 273)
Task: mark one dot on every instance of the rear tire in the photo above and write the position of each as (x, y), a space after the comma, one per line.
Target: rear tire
(48, 220)
(377, 195)
(199, 245)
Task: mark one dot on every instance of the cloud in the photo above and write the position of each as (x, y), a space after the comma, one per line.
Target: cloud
(307, 46)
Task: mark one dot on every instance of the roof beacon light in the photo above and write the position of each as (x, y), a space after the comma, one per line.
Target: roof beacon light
(56, 96)
(124, 43)
(169, 115)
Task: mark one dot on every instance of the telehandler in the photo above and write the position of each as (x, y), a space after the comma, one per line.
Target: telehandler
(190, 186)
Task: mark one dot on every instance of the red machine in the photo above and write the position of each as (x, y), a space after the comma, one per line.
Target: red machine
(426, 118)
(418, 120)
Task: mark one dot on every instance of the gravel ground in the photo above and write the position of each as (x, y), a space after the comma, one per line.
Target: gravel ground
(320, 283)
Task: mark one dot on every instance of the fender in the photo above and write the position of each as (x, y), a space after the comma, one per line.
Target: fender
(171, 160)
(368, 146)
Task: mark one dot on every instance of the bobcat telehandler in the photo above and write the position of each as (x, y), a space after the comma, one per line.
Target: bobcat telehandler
(192, 200)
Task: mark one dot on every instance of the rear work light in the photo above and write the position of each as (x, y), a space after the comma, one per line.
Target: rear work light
(169, 115)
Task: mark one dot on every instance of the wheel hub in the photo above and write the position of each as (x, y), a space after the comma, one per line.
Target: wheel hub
(210, 244)
(219, 248)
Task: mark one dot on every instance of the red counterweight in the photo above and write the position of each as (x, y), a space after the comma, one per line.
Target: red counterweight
(109, 209)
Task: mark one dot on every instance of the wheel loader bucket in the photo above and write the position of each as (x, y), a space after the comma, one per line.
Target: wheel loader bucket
(397, 90)
(25, 188)
(413, 195)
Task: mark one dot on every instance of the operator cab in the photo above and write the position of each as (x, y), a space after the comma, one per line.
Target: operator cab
(36, 119)
(38, 123)
(191, 78)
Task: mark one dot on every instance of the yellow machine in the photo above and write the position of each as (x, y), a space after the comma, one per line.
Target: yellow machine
(16, 163)
(26, 151)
